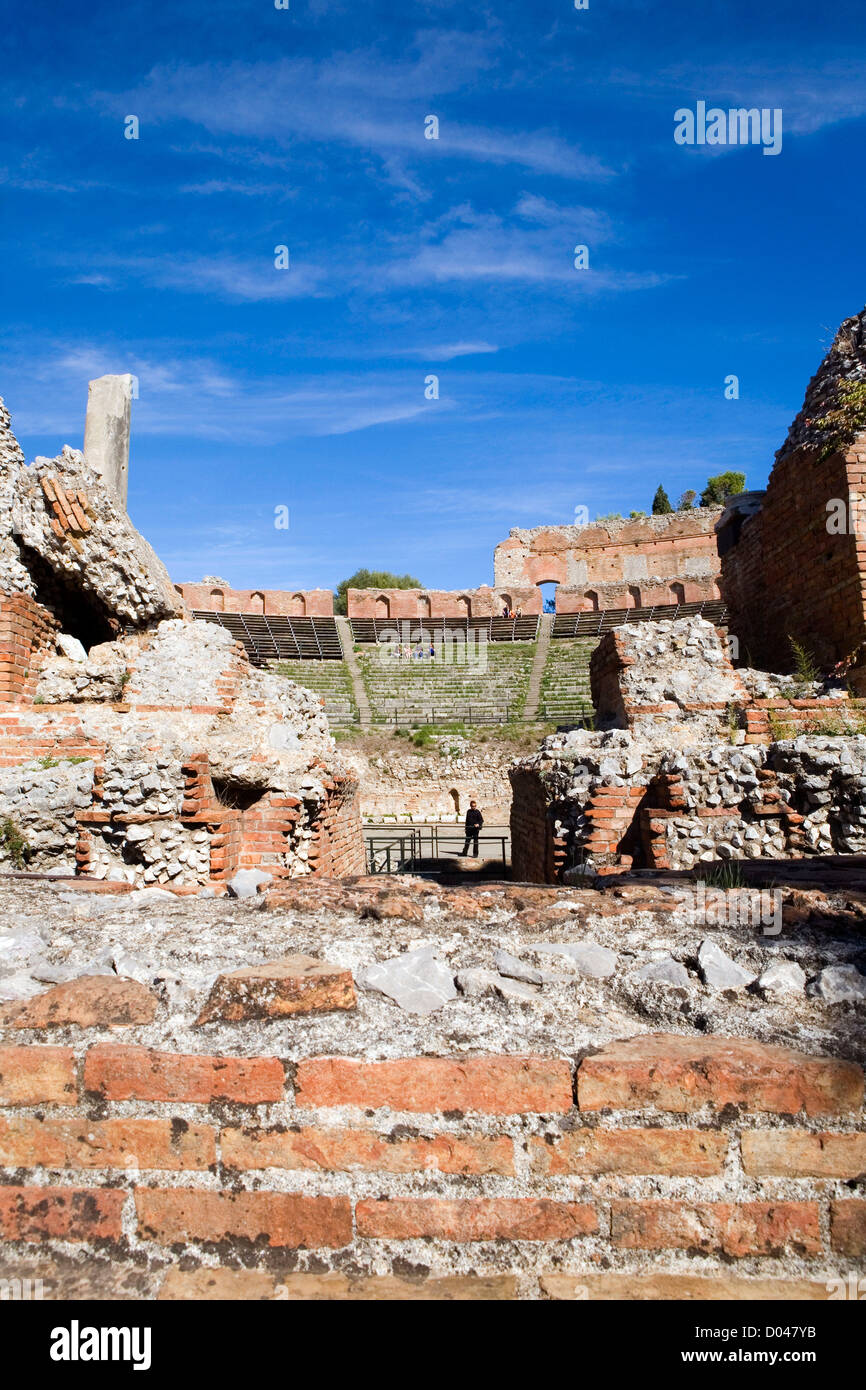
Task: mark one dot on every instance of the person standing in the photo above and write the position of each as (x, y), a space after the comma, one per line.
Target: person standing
(474, 822)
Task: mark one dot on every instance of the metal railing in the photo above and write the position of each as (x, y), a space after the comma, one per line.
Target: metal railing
(390, 854)
(397, 852)
(463, 714)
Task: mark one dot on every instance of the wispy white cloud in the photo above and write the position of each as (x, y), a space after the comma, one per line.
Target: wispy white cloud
(814, 93)
(446, 352)
(361, 98)
(197, 399)
(465, 245)
(224, 276)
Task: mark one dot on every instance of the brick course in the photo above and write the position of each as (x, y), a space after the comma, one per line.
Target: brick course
(497, 1155)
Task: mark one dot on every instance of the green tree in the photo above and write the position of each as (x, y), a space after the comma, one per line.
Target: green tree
(687, 501)
(371, 579)
(661, 502)
(722, 486)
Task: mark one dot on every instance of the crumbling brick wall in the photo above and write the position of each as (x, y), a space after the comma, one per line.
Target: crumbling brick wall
(787, 575)
(27, 629)
(660, 1166)
(617, 563)
(796, 567)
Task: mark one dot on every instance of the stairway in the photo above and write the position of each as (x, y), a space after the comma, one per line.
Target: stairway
(542, 647)
(565, 696)
(362, 702)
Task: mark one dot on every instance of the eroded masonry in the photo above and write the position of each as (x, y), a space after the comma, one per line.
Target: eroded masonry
(153, 751)
(631, 1070)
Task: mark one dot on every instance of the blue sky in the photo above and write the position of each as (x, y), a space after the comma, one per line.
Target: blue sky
(558, 388)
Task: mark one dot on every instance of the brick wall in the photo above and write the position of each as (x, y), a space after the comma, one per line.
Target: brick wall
(537, 853)
(285, 603)
(706, 1167)
(483, 602)
(26, 627)
(676, 547)
(337, 849)
(640, 593)
(540, 852)
(787, 576)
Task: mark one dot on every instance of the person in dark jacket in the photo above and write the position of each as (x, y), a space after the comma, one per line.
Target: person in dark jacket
(474, 822)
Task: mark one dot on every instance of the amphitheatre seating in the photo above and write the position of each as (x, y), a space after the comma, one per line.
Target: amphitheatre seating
(331, 680)
(423, 629)
(415, 691)
(271, 638)
(593, 624)
(565, 694)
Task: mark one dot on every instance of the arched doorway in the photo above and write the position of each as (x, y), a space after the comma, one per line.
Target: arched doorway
(464, 606)
(591, 597)
(257, 602)
(297, 606)
(678, 593)
(634, 596)
(504, 603)
(217, 601)
(424, 609)
(548, 589)
(383, 607)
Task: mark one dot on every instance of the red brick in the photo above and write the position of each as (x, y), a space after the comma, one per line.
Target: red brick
(481, 1218)
(492, 1085)
(293, 985)
(27, 1142)
(37, 1076)
(140, 1073)
(60, 1213)
(750, 1228)
(180, 1214)
(848, 1228)
(685, 1152)
(786, 1153)
(91, 1001)
(681, 1074)
(344, 1150)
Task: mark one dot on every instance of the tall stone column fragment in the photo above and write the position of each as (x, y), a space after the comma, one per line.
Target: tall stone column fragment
(106, 432)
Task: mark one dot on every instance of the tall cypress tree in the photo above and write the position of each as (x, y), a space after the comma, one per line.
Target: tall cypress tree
(661, 502)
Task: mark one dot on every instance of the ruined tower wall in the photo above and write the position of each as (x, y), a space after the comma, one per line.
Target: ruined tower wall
(602, 565)
(788, 574)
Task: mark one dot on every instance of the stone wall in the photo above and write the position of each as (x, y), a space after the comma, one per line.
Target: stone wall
(616, 564)
(609, 800)
(793, 798)
(401, 784)
(218, 597)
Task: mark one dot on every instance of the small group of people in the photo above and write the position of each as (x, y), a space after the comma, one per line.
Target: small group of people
(511, 612)
(404, 651)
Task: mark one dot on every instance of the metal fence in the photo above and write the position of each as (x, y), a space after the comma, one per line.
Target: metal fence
(396, 852)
